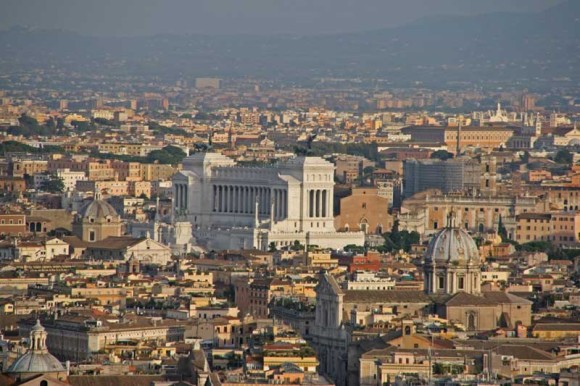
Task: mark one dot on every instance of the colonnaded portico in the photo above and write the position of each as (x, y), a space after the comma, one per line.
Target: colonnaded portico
(232, 206)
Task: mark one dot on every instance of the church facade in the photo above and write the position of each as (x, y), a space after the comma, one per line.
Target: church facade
(237, 207)
(452, 274)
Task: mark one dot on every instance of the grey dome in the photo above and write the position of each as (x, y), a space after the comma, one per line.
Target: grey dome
(36, 362)
(98, 209)
(452, 245)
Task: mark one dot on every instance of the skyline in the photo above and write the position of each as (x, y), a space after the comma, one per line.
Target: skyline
(109, 18)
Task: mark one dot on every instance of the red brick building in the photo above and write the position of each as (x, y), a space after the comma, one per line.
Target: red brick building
(12, 224)
(370, 261)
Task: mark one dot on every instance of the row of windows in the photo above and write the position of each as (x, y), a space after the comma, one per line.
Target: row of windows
(467, 209)
(10, 222)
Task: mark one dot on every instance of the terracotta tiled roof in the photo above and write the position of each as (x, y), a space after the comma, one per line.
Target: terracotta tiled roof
(356, 296)
(557, 327)
(113, 380)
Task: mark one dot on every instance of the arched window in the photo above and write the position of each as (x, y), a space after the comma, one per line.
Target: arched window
(364, 225)
(471, 322)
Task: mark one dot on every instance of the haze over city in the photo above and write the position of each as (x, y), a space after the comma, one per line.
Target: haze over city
(224, 17)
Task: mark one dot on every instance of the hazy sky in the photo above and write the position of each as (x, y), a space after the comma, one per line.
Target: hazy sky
(146, 17)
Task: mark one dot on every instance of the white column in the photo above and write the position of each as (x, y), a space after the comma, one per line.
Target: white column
(236, 199)
(278, 203)
(263, 201)
(231, 199)
(317, 203)
(243, 198)
(240, 202)
(214, 198)
(328, 206)
(222, 198)
(228, 199)
(311, 202)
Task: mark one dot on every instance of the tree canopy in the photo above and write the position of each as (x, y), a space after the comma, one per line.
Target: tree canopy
(563, 156)
(19, 147)
(28, 127)
(443, 155)
(53, 185)
(397, 240)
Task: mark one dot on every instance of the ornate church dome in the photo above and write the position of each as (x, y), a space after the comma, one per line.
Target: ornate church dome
(96, 221)
(452, 244)
(37, 360)
(452, 262)
(98, 209)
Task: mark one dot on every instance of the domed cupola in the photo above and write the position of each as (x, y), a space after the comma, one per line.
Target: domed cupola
(452, 262)
(97, 220)
(452, 245)
(37, 360)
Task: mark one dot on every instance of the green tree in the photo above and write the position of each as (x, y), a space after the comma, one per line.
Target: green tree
(82, 126)
(395, 240)
(105, 122)
(501, 230)
(272, 247)
(297, 246)
(53, 185)
(443, 155)
(366, 174)
(564, 156)
(355, 249)
(525, 157)
(168, 155)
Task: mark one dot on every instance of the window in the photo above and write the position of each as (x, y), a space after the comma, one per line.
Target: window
(441, 282)
(461, 283)
(92, 236)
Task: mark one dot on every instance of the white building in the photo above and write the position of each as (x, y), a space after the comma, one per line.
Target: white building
(69, 178)
(369, 281)
(237, 207)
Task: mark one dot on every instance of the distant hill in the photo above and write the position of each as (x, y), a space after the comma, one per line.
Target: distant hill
(535, 50)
